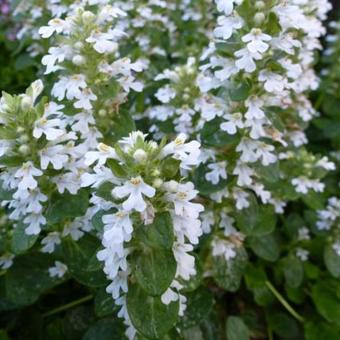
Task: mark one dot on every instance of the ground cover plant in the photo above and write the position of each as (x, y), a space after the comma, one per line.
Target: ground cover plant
(169, 169)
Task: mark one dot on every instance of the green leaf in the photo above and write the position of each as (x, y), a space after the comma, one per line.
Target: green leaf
(20, 240)
(154, 270)
(67, 206)
(158, 234)
(332, 261)
(199, 305)
(103, 304)
(326, 301)
(256, 220)
(104, 191)
(228, 274)
(4, 194)
(170, 168)
(265, 247)
(213, 136)
(28, 278)
(106, 329)
(283, 325)
(116, 168)
(149, 315)
(123, 124)
(293, 271)
(79, 256)
(239, 92)
(237, 329)
(321, 331)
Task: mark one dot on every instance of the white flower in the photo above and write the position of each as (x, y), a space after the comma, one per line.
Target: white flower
(55, 155)
(244, 173)
(302, 254)
(223, 248)
(264, 151)
(227, 25)
(241, 198)
(50, 242)
(246, 59)
(34, 221)
(58, 270)
(273, 82)
(54, 25)
(303, 234)
(187, 153)
(254, 111)
(135, 189)
(336, 248)
(118, 227)
(104, 152)
(218, 170)
(185, 261)
(84, 99)
(26, 175)
(165, 94)
(70, 86)
(73, 229)
(181, 197)
(225, 6)
(49, 127)
(256, 41)
(6, 260)
(234, 121)
(104, 42)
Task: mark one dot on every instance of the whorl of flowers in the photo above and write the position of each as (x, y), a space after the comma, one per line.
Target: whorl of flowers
(148, 200)
(32, 137)
(269, 59)
(329, 220)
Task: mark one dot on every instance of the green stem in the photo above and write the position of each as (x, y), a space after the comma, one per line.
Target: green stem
(67, 306)
(3, 272)
(285, 304)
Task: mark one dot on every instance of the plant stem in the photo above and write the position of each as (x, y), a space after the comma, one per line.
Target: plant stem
(67, 306)
(285, 304)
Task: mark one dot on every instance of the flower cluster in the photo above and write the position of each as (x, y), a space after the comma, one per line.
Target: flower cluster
(260, 69)
(328, 219)
(144, 195)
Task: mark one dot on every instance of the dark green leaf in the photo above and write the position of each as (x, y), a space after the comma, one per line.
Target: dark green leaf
(20, 240)
(159, 234)
(228, 274)
(67, 206)
(154, 270)
(332, 261)
(266, 247)
(150, 316)
(237, 329)
(199, 305)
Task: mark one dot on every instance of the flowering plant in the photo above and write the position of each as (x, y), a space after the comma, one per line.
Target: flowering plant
(159, 174)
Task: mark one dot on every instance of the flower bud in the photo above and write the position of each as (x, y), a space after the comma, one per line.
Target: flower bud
(140, 155)
(23, 139)
(26, 103)
(157, 183)
(78, 60)
(156, 173)
(24, 149)
(87, 16)
(259, 18)
(20, 129)
(102, 113)
(260, 5)
(78, 45)
(186, 96)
